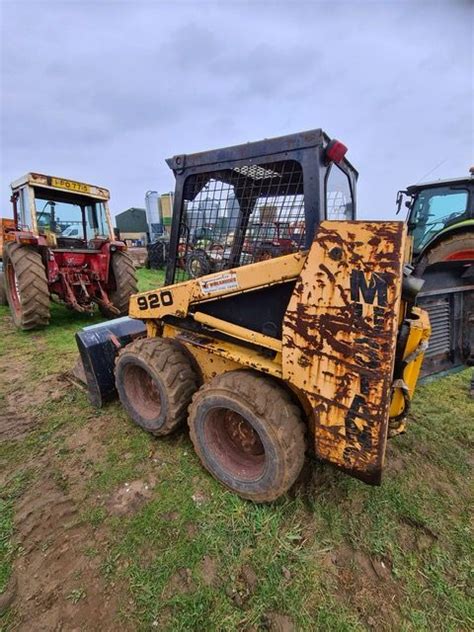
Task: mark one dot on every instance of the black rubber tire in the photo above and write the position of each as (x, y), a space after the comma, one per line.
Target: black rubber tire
(158, 254)
(152, 367)
(3, 291)
(445, 248)
(124, 282)
(273, 417)
(29, 300)
(197, 264)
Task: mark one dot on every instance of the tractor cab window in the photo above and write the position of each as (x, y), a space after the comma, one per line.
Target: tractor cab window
(70, 218)
(338, 195)
(23, 206)
(433, 210)
(240, 215)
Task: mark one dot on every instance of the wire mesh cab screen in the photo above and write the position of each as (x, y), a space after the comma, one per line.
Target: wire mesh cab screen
(238, 216)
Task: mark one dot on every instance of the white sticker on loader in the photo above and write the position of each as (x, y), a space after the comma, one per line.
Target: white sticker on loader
(220, 283)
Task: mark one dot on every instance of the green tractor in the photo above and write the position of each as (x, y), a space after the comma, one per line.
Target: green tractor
(441, 223)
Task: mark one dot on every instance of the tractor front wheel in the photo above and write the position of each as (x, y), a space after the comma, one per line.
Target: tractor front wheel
(123, 278)
(248, 434)
(155, 382)
(26, 286)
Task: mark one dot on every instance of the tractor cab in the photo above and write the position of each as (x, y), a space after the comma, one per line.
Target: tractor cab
(441, 224)
(438, 208)
(67, 214)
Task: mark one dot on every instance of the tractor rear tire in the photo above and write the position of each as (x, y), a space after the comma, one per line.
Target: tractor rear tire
(125, 279)
(26, 286)
(445, 250)
(248, 434)
(155, 382)
(3, 291)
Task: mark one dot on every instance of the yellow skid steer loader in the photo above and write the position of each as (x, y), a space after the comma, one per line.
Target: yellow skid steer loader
(315, 346)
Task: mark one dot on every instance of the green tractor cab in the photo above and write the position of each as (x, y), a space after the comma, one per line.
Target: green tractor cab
(441, 223)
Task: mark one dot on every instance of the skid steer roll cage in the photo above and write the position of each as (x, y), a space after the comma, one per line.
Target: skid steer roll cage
(249, 169)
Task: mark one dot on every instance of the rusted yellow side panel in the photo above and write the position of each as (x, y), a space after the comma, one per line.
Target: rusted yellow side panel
(339, 339)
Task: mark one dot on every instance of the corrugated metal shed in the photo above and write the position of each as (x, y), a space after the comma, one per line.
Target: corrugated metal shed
(133, 220)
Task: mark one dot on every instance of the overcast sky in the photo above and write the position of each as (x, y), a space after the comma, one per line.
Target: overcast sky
(104, 91)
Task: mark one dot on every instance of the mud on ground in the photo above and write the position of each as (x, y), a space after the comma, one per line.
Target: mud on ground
(54, 585)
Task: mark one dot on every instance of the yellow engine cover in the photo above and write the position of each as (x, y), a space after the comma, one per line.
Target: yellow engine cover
(339, 339)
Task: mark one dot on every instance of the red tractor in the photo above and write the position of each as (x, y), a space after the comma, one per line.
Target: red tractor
(60, 244)
(266, 241)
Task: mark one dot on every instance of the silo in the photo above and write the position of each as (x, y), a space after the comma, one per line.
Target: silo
(166, 207)
(154, 214)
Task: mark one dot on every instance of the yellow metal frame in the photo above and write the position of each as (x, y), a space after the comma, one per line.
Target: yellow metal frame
(339, 340)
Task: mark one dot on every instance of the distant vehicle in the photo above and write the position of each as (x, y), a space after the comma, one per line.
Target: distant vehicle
(266, 241)
(61, 243)
(441, 223)
(71, 231)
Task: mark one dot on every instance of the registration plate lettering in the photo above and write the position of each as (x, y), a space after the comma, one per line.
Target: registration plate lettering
(70, 185)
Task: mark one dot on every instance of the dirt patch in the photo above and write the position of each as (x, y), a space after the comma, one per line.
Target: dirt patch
(170, 516)
(17, 418)
(129, 498)
(244, 586)
(209, 570)
(191, 529)
(87, 443)
(54, 584)
(8, 595)
(58, 587)
(181, 582)
(51, 388)
(276, 622)
(366, 583)
(14, 426)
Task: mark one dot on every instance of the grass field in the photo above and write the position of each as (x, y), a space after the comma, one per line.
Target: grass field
(124, 531)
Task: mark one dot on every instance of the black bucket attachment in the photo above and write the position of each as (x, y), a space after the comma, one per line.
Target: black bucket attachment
(99, 346)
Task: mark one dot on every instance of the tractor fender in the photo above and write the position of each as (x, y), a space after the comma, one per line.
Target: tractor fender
(466, 227)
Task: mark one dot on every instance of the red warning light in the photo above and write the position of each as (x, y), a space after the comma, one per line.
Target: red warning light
(335, 151)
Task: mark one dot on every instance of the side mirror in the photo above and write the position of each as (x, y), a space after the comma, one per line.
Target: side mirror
(399, 201)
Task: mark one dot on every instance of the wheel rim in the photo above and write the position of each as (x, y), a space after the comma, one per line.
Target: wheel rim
(13, 288)
(142, 392)
(234, 443)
